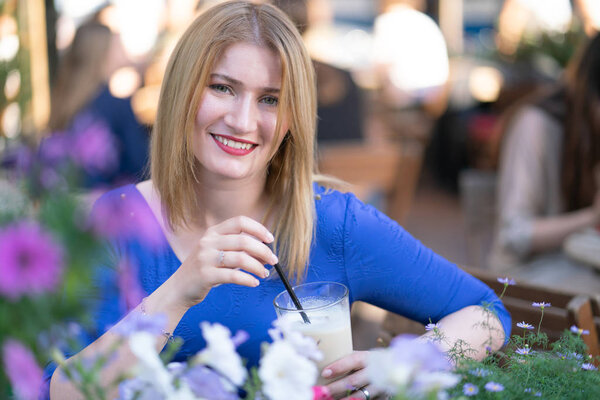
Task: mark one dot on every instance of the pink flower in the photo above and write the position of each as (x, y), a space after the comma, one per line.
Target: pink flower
(321, 393)
(31, 261)
(94, 148)
(23, 371)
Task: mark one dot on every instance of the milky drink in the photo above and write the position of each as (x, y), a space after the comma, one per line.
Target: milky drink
(327, 307)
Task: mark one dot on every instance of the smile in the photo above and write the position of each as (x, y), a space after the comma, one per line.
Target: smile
(234, 147)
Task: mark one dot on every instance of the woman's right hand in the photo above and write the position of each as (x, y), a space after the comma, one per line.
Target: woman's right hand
(227, 253)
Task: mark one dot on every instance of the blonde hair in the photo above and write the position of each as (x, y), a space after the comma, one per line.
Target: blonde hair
(80, 74)
(290, 172)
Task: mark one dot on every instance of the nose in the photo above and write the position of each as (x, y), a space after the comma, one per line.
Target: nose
(242, 116)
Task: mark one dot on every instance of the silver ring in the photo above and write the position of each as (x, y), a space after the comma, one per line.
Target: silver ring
(221, 262)
(365, 392)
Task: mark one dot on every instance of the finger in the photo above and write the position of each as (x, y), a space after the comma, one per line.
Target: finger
(342, 386)
(250, 245)
(235, 276)
(368, 392)
(239, 259)
(352, 362)
(242, 224)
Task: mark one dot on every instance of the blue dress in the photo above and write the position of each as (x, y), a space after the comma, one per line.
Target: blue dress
(355, 244)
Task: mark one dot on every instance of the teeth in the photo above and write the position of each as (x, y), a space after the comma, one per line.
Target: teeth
(233, 143)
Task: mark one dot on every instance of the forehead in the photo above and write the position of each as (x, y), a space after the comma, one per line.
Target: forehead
(251, 64)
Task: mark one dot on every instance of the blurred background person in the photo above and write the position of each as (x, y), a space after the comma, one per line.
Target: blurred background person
(340, 111)
(81, 101)
(547, 189)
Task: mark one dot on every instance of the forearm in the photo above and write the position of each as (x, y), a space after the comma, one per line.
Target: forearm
(162, 301)
(472, 329)
(549, 233)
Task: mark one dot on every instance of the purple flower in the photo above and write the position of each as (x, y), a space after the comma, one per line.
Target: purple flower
(579, 331)
(93, 147)
(23, 371)
(425, 354)
(507, 281)
(207, 384)
(480, 372)
(240, 337)
(430, 327)
(126, 218)
(138, 322)
(129, 285)
(524, 325)
(588, 367)
(54, 150)
(470, 390)
(493, 387)
(523, 351)
(31, 262)
(541, 305)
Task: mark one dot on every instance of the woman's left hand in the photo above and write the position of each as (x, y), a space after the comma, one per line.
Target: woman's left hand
(351, 375)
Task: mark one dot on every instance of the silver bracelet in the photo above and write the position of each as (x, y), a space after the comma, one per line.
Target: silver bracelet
(167, 335)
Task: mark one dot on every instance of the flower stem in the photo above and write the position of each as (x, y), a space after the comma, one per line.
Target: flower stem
(541, 318)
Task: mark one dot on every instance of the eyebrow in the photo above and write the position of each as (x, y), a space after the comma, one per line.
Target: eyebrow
(239, 83)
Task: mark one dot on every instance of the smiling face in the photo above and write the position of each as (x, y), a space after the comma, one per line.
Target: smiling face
(237, 116)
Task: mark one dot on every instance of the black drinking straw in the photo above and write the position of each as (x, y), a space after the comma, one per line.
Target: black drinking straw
(289, 289)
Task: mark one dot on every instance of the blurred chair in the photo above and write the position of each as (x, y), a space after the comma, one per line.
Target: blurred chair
(388, 172)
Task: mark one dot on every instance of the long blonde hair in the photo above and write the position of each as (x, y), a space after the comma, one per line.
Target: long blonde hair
(290, 172)
(80, 74)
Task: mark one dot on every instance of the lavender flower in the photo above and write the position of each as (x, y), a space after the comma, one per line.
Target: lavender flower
(525, 325)
(432, 327)
(588, 367)
(480, 372)
(507, 281)
(22, 370)
(493, 387)
(541, 305)
(470, 390)
(31, 262)
(524, 351)
(93, 148)
(579, 331)
(207, 384)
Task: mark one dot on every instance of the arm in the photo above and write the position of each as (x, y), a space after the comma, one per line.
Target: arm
(242, 241)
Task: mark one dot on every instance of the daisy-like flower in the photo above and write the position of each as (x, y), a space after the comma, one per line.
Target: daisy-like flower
(470, 390)
(525, 325)
(285, 374)
(31, 261)
(22, 370)
(524, 351)
(588, 367)
(431, 327)
(541, 304)
(304, 345)
(492, 386)
(579, 331)
(507, 281)
(220, 353)
(480, 372)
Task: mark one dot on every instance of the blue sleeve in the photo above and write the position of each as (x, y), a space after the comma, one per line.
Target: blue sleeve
(410, 279)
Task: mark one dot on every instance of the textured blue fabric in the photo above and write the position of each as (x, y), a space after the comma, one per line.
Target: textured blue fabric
(355, 244)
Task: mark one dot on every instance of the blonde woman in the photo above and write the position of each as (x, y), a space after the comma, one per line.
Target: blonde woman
(233, 169)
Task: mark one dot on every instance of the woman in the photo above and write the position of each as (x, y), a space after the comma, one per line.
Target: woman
(547, 188)
(232, 146)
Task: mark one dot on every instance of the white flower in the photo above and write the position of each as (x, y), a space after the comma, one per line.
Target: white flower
(386, 373)
(150, 368)
(304, 345)
(285, 374)
(220, 353)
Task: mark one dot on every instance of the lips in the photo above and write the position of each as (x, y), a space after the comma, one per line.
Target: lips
(234, 146)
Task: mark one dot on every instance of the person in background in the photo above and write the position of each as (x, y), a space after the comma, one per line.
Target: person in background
(339, 104)
(547, 189)
(83, 107)
(233, 191)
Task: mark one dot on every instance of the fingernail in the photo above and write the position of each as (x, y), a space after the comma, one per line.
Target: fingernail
(267, 273)
(256, 282)
(326, 373)
(274, 260)
(270, 236)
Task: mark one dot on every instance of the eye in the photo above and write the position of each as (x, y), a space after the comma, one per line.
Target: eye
(219, 87)
(270, 100)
